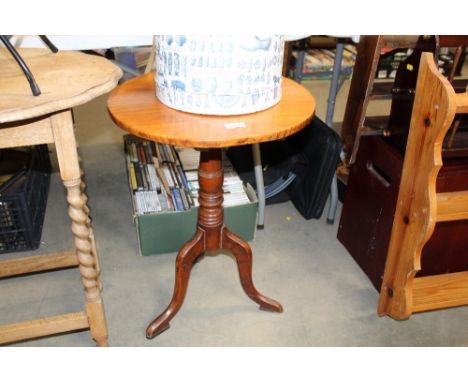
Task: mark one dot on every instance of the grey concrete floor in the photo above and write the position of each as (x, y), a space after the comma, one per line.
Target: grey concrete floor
(327, 299)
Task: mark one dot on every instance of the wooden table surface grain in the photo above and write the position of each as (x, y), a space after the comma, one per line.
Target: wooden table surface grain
(66, 79)
(136, 109)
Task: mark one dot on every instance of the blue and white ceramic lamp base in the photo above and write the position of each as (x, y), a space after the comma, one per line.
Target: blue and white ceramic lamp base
(219, 75)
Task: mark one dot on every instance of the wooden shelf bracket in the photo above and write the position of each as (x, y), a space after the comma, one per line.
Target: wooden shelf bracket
(419, 207)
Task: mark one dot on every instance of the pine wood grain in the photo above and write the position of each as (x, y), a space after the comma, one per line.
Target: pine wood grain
(452, 206)
(415, 216)
(462, 102)
(43, 327)
(135, 108)
(34, 133)
(440, 291)
(56, 75)
(37, 263)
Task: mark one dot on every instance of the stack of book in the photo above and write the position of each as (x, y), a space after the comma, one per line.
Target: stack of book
(157, 179)
(165, 178)
(318, 63)
(233, 188)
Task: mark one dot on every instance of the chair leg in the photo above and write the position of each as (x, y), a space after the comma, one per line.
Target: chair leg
(333, 92)
(65, 143)
(260, 185)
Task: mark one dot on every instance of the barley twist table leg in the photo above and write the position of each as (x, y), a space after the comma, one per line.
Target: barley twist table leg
(86, 259)
(65, 144)
(88, 222)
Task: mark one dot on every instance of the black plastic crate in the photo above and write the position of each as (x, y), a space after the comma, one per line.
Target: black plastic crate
(23, 200)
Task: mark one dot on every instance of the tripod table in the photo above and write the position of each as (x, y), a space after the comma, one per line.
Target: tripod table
(135, 108)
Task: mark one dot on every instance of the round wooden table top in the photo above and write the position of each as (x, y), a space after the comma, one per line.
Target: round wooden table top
(136, 109)
(66, 79)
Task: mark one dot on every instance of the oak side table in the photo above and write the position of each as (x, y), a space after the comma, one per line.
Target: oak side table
(66, 79)
(135, 108)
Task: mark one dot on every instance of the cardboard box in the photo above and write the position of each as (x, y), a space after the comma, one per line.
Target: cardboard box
(167, 232)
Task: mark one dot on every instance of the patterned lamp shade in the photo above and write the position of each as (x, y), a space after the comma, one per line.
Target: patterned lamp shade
(219, 75)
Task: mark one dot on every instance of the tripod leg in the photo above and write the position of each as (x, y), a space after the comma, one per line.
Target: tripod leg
(185, 259)
(243, 254)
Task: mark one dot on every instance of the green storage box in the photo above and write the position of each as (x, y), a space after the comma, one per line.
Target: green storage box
(167, 232)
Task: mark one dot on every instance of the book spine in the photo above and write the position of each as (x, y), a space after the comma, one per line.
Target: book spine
(143, 176)
(134, 155)
(163, 202)
(139, 178)
(184, 198)
(167, 153)
(158, 153)
(143, 199)
(133, 181)
(155, 185)
(172, 154)
(163, 179)
(152, 201)
(176, 156)
(189, 198)
(138, 203)
(175, 175)
(148, 153)
(182, 177)
(170, 201)
(177, 199)
(149, 179)
(141, 154)
(191, 176)
(169, 176)
(162, 152)
(152, 146)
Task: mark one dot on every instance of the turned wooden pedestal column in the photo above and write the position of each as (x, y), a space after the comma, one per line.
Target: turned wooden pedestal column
(135, 108)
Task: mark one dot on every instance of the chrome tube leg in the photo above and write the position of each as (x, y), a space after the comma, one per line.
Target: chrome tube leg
(260, 186)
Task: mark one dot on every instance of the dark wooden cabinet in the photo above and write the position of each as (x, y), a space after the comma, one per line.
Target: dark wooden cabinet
(370, 204)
